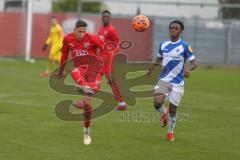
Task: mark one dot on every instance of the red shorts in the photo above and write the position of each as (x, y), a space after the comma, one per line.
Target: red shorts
(78, 75)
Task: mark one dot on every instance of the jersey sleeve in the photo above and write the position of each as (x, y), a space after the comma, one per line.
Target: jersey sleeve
(100, 45)
(189, 53)
(98, 42)
(114, 36)
(160, 53)
(116, 39)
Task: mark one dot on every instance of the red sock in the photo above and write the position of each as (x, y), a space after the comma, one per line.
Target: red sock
(116, 92)
(87, 115)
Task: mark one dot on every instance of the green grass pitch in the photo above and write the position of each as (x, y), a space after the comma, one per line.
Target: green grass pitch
(30, 130)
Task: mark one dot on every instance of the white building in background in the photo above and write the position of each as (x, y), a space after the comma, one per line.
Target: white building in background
(39, 6)
(165, 10)
(119, 7)
(42, 6)
(1, 5)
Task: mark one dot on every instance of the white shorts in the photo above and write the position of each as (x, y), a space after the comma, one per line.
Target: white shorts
(173, 92)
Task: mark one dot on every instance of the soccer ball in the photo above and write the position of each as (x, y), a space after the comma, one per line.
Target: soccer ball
(140, 23)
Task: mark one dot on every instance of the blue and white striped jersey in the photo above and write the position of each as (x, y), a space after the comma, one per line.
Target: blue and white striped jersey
(174, 55)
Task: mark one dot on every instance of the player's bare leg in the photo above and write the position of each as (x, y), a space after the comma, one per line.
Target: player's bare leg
(78, 104)
(172, 122)
(87, 119)
(158, 104)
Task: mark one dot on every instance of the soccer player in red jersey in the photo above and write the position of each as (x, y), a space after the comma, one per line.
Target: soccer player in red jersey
(109, 36)
(84, 48)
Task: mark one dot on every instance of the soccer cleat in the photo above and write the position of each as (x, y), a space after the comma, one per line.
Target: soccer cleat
(170, 137)
(164, 119)
(121, 108)
(84, 90)
(78, 104)
(87, 139)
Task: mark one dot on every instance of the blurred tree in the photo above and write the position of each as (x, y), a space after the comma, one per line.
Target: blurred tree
(230, 13)
(71, 6)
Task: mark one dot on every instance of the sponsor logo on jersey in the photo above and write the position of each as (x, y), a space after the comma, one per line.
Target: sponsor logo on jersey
(80, 52)
(101, 37)
(86, 45)
(190, 49)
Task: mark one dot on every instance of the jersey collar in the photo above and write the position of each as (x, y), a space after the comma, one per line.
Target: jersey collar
(175, 42)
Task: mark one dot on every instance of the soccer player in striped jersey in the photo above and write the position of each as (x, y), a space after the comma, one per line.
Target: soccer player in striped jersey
(172, 57)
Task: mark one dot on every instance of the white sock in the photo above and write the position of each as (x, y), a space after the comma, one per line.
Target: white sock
(172, 123)
(86, 130)
(162, 110)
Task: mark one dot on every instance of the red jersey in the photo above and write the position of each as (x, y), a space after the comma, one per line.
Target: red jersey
(111, 40)
(80, 49)
(108, 33)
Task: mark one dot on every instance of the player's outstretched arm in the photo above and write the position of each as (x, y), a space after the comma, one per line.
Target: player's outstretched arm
(191, 67)
(65, 51)
(115, 38)
(47, 43)
(62, 65)
(100, 45)
(44, 47)
(158, 62)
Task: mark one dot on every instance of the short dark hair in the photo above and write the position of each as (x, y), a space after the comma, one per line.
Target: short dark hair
(106, 11)
(178, 22)
(80, 23)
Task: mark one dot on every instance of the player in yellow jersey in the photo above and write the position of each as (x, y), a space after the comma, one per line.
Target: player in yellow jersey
(54, 39)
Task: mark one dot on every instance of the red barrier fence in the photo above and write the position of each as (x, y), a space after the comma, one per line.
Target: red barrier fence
(13, 34)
